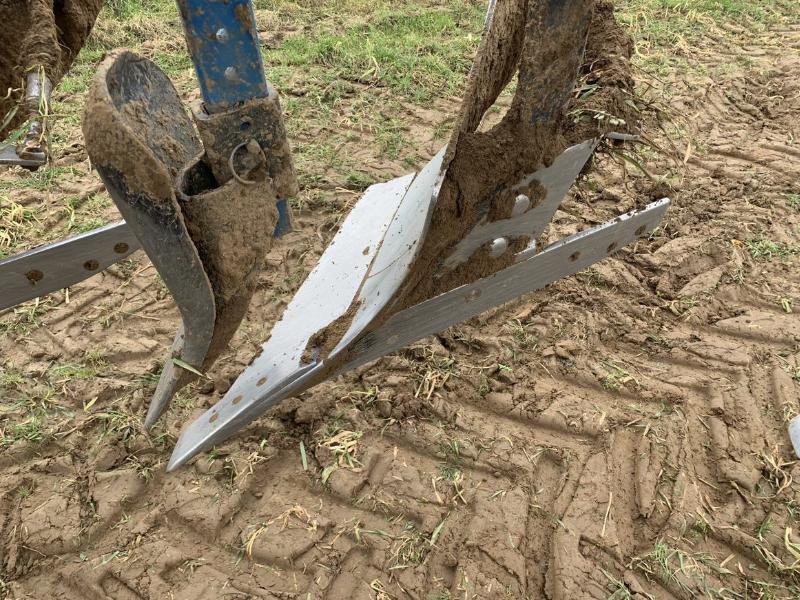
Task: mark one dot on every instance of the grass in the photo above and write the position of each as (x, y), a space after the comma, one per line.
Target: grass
(17, 224)
(410, 548)
(764, 528)
(765, 250)
(31, 429)
(22, 226)
(670, 22)
(43, 180)
(343, 445)
(617, 588)
(674, 566)
(25, 317)
(411, 50)
(668, 31)
(84, 213)
(616, 376)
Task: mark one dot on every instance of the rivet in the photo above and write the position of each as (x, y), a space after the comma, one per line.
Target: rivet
(237, 399)
(121, 248)
(222, 35)
(575, 256)
(261, 381)
(231, 74)
(214, 417)
(498, 247)
(91, 265)
(521, 205)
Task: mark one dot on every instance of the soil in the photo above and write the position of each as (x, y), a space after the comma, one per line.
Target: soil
(621, 432)
(63, 26)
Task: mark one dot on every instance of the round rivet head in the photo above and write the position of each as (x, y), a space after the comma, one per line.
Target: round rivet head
(231, 74)
(521, 205)
(498, 247)
(222, 35)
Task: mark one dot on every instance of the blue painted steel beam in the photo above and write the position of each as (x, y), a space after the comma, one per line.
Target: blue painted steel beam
(223, 42)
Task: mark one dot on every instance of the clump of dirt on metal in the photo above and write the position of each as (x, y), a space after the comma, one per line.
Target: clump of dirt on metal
(483, 165)
(39, 34)
(547, 115)
(231, 227)
(604, 100)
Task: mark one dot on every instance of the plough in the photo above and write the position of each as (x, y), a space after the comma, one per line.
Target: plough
(205, 196)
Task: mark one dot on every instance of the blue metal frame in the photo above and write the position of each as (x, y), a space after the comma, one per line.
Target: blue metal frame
(223, 41)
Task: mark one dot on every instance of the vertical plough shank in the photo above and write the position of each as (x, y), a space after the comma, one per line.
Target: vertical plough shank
(205, 217)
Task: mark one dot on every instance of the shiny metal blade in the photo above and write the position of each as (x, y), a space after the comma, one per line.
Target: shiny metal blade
(329, 290)
(63, 263)
(263, 385)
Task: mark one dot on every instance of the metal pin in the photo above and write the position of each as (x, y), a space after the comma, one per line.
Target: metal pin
(498, 247)
(222, 35)
(521, 205)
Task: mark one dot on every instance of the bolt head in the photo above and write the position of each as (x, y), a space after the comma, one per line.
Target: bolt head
(521, 205)
(222, 35)
(498, 247)
(231, 74)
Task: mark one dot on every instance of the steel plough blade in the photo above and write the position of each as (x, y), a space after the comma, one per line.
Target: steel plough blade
(63, 263)
(369, 259)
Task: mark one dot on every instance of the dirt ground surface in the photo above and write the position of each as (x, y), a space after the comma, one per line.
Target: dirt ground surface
(621, 434)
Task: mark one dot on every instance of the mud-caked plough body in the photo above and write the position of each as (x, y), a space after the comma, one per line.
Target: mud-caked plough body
(415, 255)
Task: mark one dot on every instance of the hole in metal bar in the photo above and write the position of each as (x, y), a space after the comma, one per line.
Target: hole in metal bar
(34, 275)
